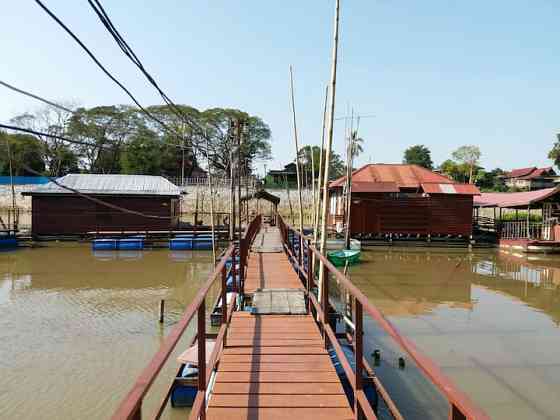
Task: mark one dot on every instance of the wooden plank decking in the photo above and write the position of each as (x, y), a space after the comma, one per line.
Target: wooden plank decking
(275, 366)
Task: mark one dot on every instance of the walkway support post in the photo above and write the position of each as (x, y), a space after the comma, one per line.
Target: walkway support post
(201, 342)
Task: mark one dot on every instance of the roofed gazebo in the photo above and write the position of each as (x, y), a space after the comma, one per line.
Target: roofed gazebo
(523, 216)
(262, 194)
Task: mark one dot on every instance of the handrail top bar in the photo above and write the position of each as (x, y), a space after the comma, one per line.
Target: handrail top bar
(445, 385)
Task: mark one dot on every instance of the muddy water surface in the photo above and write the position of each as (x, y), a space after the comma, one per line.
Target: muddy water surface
(490, 320)
(76, 328)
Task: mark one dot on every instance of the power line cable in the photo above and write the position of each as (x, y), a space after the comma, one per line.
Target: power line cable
(103, 68)
(54, 136)
(31, 95)
(129, 52)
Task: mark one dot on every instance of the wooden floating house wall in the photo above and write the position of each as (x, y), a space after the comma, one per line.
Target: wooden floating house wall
(56, 211)
(403, 199)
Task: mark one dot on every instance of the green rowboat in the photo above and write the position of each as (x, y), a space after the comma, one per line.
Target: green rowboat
(340, 257)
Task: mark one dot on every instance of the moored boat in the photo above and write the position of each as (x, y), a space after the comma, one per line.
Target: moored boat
(344, 256)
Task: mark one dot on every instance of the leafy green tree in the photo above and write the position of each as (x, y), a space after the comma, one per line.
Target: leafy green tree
(26, 150)
(469, 156)
(554, 153)
(108, 128)
(490, 181)
(143, 154)
(256, 137)
(337, 166)
(418, 155)
(453, 170)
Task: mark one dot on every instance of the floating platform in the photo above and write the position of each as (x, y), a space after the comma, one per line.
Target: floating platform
(128, 244)
(191, 243)
(8, 241)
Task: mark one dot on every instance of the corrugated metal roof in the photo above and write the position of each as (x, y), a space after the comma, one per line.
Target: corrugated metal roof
(374, 187)
(402, 176)
(514, 199)
(438, 188)
(109, 185)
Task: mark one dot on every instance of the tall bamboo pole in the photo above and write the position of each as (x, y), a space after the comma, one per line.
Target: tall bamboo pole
(313, 202)
(328, 148)
(349, 147)
(15, 221)
(320, 175)
(298, 175)
(211, 203)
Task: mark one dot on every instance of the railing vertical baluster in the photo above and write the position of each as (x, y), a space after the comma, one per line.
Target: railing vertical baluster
(234, 270)
(325, 303)
(358, 354)
(242, 264)
(201, 342)
(224, 300)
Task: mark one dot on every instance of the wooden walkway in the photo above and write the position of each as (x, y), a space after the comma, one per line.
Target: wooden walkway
(275, 366)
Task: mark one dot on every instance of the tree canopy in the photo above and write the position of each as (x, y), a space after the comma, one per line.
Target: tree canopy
(25, 150)
(469, 156)
(418, 155)
(121, 139)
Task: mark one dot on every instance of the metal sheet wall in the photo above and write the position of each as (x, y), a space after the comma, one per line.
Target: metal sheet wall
(437, 214)
(64, 215)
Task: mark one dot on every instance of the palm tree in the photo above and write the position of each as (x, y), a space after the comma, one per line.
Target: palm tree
(357, 144)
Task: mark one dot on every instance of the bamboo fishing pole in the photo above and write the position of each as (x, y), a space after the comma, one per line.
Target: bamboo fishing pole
(298, 176)
(349, 150)
(211, 204)
(320, 175)
(328, 150)
(15, 222)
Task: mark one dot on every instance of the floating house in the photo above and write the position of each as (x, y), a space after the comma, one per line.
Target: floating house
(95, 203)
(526, 221)
(401, 199)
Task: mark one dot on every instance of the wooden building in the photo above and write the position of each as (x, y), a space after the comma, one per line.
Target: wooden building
(59, 211)
(400, 199)
(532, 178)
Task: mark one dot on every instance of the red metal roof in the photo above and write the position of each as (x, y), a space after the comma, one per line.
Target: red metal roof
(374, 186)
(530, 173)
(514, 199)
(382, 177)
(438, 188)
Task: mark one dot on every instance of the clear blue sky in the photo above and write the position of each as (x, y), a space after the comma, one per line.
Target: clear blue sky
(434, 72)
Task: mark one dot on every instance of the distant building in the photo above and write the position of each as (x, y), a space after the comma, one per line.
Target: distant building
(403, 199)
(280, 177)
(58, 211)
(532, 178)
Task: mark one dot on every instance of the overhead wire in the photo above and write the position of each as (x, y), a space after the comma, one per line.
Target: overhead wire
(104, 69)
(32, 95)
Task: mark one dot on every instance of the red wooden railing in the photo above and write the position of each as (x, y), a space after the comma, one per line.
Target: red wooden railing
(306, 259)
(130, 407)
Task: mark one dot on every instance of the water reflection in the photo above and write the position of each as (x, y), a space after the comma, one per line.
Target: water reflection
(76, 327)
(489, 319)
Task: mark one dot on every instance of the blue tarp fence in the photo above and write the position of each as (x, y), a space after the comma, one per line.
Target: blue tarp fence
(24, 180)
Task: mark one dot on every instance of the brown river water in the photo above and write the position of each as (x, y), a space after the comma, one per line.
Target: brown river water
(76, 327)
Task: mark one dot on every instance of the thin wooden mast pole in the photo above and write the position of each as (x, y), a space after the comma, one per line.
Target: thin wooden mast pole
(15, 221)
(298, 175)
(313, 201)
(349, 150)
(328, 149)
(320, 175)
(232, 188)
(211, 203)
